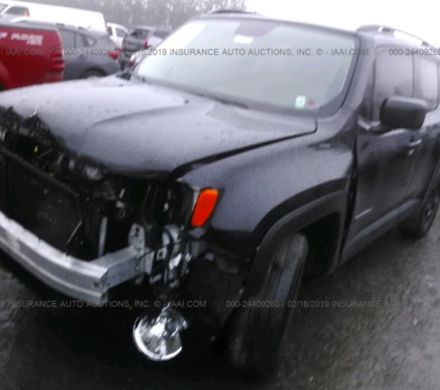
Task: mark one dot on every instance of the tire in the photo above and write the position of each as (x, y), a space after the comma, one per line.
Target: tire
(256, 336)
(92, 74)
(419, 224)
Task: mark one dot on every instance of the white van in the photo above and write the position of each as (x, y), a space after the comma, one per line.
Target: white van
(53, 14)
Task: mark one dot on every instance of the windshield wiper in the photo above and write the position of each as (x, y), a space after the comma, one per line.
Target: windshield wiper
(221, 99)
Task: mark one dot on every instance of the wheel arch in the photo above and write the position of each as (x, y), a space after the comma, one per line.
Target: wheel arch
(94, 69)
(435, 180)
(321, 221)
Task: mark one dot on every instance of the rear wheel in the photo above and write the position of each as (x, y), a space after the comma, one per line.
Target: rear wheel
(256, 340)
(92, 74)
(419, 224)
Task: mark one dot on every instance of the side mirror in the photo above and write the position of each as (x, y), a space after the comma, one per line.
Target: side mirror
(399, 112)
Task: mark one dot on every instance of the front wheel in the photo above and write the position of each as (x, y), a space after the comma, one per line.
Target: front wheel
(256, 340)
(419, 224)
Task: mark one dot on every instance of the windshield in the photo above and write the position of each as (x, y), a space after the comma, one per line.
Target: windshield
(139, 33)
(276, 64)
(2, 7)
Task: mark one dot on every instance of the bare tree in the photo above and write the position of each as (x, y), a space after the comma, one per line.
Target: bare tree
(161, 13)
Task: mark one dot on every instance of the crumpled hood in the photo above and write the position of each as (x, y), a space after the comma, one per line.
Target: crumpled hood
(133, 127)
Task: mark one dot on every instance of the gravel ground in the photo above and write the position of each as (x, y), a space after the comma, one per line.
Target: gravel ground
(388, 339)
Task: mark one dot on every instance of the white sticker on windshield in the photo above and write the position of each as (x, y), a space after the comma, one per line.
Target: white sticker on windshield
(300, 102)
(243, 40)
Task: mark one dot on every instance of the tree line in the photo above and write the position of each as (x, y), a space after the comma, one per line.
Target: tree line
(167, 14)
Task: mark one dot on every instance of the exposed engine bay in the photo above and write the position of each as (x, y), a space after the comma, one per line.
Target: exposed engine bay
(77, 206)
(84, 211)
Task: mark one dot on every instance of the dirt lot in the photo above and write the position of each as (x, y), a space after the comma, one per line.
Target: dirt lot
(388, 339)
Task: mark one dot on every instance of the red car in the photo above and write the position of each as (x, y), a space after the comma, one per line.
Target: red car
(29, 54)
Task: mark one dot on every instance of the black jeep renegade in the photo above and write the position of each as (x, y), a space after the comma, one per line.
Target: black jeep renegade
(239, 156)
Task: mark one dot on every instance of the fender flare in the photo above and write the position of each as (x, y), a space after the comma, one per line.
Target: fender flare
(296, 221)
(434, 182)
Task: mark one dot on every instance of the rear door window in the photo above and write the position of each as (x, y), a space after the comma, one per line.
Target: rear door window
(140, 34)
(84, 41)
(105, 42)
(120, 33)
(427, 80)
(18, 11)
(393, 76)
(68, 38)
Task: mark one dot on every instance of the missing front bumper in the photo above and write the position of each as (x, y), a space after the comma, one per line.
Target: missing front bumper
(89, 281)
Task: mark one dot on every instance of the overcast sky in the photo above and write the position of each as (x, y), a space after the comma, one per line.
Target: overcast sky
(419, 17)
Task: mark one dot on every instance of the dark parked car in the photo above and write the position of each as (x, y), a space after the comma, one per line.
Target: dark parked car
(88, 53)
(215, 179)
(138, 39)
(155, 40)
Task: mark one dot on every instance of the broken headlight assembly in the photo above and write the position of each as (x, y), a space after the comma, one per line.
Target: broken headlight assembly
(162, 240)
(169, 213)
(86, 212)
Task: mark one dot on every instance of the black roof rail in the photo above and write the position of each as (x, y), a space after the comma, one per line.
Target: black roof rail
(390, 30)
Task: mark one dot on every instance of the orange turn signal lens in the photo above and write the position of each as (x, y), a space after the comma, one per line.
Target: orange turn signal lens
(205, 206)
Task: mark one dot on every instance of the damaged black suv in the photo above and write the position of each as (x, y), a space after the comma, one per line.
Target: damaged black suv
(241, 155)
